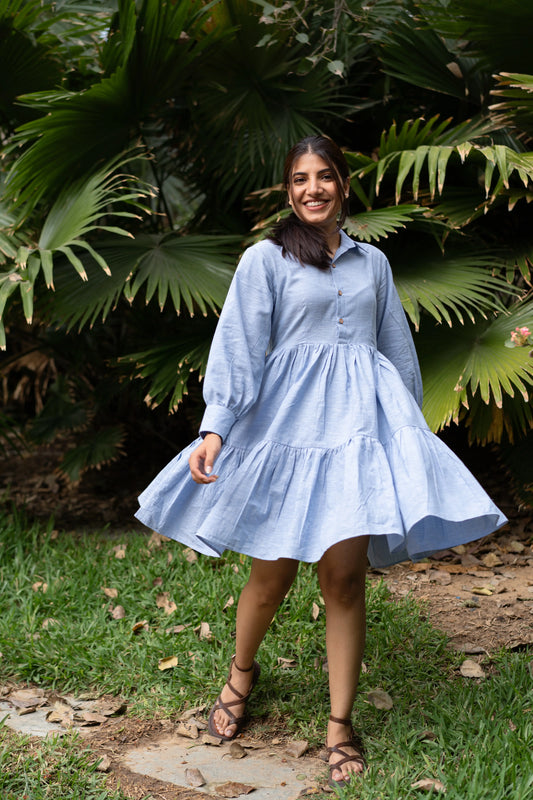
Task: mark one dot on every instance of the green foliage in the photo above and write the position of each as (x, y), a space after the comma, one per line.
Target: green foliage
(431, 101)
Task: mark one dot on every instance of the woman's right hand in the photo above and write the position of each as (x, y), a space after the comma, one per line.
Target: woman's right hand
(203, 457)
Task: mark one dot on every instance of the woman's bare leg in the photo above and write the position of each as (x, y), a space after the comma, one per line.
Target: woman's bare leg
(342, 572)
(267, 585)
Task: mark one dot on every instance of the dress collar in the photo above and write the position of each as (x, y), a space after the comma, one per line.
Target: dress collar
(345, 244)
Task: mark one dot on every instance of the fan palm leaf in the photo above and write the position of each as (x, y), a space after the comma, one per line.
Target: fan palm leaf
(77, 212)
(154, 51)
(473, 359)
(189, 271)
(167, 366)
(450, 287)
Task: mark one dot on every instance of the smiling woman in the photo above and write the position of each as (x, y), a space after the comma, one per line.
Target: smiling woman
(314, 193)
(314, 427)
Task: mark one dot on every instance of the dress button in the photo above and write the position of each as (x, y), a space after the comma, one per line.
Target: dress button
(341, 320)
(333, 266)
(339, 292)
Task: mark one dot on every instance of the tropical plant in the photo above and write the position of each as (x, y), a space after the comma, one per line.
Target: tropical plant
(168, 123)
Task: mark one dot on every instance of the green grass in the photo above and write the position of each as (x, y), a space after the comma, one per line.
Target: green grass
(475, 737)
(53, 769)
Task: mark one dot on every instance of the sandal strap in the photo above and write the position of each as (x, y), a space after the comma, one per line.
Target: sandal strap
(234, 664)
(340, 721)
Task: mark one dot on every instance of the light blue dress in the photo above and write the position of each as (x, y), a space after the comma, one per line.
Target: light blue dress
(314, 386)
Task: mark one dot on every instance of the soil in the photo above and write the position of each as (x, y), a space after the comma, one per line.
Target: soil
(480, 595)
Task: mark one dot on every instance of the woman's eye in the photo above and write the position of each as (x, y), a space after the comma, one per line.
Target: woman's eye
(327, 177)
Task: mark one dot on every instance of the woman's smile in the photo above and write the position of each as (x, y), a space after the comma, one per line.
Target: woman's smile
(313, 192)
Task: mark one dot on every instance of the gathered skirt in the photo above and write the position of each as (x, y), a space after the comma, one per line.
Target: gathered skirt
(333, 447)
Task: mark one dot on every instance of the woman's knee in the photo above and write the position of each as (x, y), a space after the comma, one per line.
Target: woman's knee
(343, 584)
(270, 585)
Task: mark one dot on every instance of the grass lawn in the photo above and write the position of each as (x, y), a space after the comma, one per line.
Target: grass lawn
(56, 630)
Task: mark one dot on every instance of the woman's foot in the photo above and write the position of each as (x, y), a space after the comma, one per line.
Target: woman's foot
(228, 713)
(344, 754)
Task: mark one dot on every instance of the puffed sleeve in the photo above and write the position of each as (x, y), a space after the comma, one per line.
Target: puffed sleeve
(394, 337)
(237, 356)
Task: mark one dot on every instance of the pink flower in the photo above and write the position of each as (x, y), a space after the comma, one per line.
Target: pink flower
(520, 336)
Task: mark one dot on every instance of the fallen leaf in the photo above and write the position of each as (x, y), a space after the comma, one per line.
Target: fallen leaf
(468, 648)
(471, 669)
(86, 718)
(204, 631)
(64, 718)
(440, 576)
(420, 566)
(491, 560)
(112, 593)
(27, 698)
(194, 777)
(110, 708)
(156, 540)
(516, 547)
(104, 764)
(212, 740)
(286, 663)
(233, 789)
(119, 550)
(49, 621)
(157, 582)
(315, 611)
(484, 590)
(192, 712)
(190, 555)
(167, 663)
(117, 612)
(176, 629)
(427, 784)
(236, 750)
(229, 602)
(380, 699)
(29, 710)
(187, 729)
(39, 586)
(140, 626)
(163, 601)
(297, 748)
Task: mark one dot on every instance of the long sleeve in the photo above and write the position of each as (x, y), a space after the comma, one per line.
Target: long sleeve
(394, 337)
(237, 356)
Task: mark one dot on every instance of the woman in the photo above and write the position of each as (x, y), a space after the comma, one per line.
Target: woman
(321, 452)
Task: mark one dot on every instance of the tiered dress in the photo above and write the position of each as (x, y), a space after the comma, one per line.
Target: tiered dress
(314, 386)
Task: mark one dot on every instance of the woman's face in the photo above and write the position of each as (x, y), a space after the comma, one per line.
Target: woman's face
(313, 192)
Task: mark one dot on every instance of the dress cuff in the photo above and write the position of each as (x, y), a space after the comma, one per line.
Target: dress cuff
(217, 419)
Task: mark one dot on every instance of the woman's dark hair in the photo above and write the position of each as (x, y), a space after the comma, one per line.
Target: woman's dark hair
(306, 242)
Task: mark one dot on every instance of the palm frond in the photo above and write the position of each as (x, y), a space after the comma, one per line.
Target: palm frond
(167, 366)
(77, 212)
(449, 286)
(517, 103)
(190, 271)
(379, 222)
(473, 359)
(497, 160)
(88, 128)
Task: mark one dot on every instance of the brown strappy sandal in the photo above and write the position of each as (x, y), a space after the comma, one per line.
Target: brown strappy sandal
(239, 700)
(337, 748)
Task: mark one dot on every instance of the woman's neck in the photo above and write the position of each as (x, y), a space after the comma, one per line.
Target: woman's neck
(333, 240)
